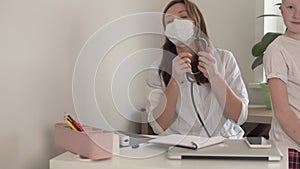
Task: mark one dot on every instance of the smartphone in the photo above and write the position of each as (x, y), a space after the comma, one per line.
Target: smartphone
(257, 142)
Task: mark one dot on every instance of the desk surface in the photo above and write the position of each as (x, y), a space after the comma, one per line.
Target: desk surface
(153, 156)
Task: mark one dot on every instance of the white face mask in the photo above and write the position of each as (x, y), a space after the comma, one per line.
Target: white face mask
(180, 32)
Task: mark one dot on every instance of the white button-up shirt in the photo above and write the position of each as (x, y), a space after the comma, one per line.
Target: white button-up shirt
(211, 112)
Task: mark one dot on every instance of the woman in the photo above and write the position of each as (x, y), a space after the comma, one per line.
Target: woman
(220, 95)
(281, 63)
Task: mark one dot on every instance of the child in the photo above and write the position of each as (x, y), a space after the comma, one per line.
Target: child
(281, 63)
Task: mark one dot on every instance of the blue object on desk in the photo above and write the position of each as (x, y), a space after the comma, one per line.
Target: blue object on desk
(135, 146)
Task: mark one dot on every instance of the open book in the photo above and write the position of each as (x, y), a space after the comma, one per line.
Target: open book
(188, 141)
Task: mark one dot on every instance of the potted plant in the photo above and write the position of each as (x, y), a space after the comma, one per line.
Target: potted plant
(258, 51)
(259, 48)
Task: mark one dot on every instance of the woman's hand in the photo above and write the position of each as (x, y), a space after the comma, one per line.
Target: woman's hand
(207, 64)
(181, 64)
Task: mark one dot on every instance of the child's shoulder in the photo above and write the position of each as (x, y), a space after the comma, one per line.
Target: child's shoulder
(284, 40)
(282, 43)
(276, 44)
(278, 41)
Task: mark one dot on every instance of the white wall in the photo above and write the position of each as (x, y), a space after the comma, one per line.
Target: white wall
(40, 40)
(231, 25)
(273, 24)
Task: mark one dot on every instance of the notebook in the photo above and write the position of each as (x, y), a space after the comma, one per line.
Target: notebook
(229, 149)
(188, 141)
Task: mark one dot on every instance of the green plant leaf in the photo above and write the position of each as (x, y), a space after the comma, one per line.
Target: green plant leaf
(258, 49)
(258, 61)
(268, 38)
(271, 15)
(268, 15)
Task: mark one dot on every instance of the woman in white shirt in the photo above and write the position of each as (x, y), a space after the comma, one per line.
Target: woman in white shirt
(220, 96)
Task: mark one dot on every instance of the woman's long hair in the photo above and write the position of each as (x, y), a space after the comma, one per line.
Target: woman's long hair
(165, 69)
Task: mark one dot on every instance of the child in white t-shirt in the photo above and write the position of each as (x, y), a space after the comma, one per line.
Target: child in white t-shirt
(282, 66)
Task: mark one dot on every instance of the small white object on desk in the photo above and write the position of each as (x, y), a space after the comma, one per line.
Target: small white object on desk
(123, 139)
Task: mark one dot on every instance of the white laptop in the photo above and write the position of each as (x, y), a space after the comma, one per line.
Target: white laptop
(229, 149)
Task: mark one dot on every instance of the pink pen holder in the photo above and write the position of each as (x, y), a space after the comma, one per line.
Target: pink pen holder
(92, 143)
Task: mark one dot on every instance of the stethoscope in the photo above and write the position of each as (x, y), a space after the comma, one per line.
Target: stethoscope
(202, 45)
(191, 78)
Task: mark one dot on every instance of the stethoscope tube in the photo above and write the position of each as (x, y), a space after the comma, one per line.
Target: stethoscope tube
(190, 77)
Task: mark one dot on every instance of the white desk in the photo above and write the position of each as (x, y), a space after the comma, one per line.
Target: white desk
(141, 159)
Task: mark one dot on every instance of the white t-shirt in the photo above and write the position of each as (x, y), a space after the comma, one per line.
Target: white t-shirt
(282, 60)
(186, 121)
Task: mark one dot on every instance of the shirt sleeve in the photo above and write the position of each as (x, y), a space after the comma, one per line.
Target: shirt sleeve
(275, 64)
(234, 80)
(154, 94)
